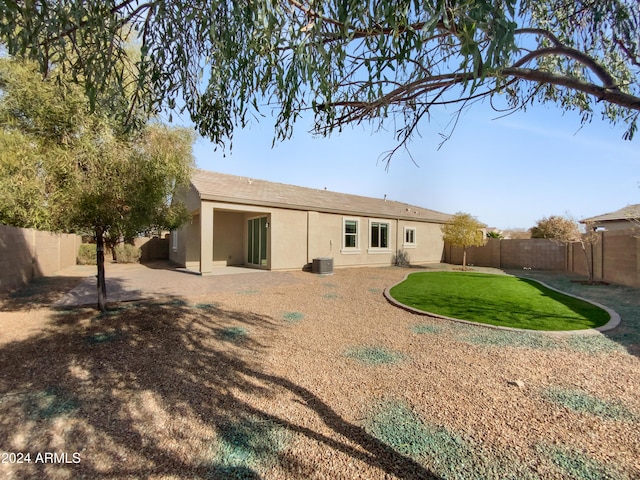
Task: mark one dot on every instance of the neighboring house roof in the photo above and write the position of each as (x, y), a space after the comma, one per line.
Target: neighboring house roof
(248, 191)
(630, 212)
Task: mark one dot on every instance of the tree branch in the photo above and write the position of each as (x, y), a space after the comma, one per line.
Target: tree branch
(362, 33)
(633, 58)
(608, 81)
(539, 31)
(115, 9)
(614, 96)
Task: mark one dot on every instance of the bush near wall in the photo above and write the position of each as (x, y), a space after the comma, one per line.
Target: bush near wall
(127, 254)
(87, 254)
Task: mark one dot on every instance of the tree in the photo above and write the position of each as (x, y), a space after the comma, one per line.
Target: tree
(463, 231)
(564, 231)
(65, 167)
(517, 233)
(347, 62)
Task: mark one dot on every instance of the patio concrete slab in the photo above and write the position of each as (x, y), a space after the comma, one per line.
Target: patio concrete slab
(161, 280)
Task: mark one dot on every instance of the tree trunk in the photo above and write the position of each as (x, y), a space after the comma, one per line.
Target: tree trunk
(102, 286)
(589, 263)
(464, 258)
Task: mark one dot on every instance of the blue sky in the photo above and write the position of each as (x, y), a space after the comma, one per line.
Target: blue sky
(507, 172)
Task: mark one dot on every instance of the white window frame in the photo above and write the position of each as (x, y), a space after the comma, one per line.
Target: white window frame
(345, 249)
(386, 249)
(406, 244)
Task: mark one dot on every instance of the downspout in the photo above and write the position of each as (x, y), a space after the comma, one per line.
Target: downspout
(397, 239)
(308, 239)
(602, 255)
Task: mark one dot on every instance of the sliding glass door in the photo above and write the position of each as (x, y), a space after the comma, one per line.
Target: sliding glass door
(257, 241)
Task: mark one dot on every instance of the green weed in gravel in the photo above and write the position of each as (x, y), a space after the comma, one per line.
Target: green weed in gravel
(206, 306)
(175, 302)
(582, 402)
(33, 288)
(576, 465)
(445, 453)
(67, 311)
(423, 328)
(233, 334)
(330, 296)
(102, 337)
(247, 446)
(593, 344)
(49, 403)
(395, 424)
(70, 316)
(111, 312)
(249, 292)
(371, 355)
(501, 338)
(292, 317)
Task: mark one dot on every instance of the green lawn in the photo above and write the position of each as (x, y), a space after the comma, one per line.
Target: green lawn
(497, 300)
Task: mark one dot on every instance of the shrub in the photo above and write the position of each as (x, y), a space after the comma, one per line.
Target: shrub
(127, 254)
(401, 259)
(86, 254)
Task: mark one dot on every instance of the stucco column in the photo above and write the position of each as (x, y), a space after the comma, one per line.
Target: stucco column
(206, 238)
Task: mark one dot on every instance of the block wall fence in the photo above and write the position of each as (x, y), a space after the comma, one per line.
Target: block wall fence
(27, 254)
(615, 256)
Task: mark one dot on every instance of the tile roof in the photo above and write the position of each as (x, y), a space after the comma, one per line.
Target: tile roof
(248, 191)
(630, 212)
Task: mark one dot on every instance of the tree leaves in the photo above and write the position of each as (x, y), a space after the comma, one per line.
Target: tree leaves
(561, 229)
(66, 167)
(349, 61)
(463, 230)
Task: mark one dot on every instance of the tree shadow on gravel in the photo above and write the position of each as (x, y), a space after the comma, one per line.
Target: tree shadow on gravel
(150, 389)
(41, 292)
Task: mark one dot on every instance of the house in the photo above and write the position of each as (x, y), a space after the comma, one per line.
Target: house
(623, 219)
(255, 223)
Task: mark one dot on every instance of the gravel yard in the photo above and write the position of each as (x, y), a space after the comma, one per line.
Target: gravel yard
(321, 378)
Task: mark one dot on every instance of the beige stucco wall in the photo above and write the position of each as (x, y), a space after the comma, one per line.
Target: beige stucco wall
(187, 251)
(288, 239)
(619, 225)
(26, 254)
(191, 198)
(292, 249)
(224, 238)
(229, 238)
(429, 246)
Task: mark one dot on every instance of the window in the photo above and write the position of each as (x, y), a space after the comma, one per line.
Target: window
(174, 240)
(350, 234)
(379, 237)
(409, 236)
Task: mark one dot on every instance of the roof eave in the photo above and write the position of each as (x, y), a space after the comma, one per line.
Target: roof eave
(259, 203)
